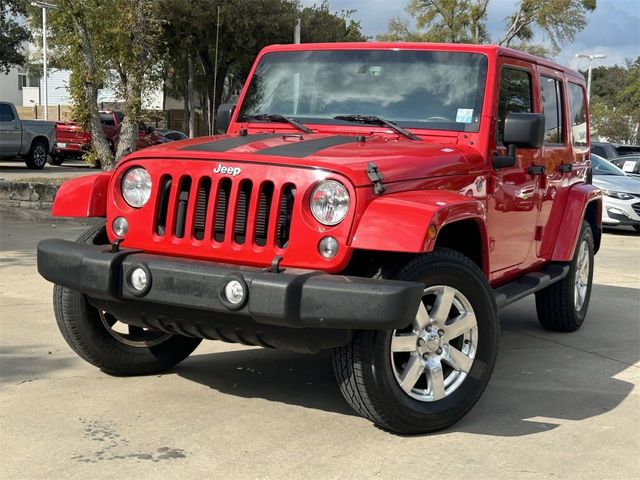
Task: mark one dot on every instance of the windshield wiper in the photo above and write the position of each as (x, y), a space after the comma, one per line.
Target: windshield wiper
(273, 117)
(373, 120)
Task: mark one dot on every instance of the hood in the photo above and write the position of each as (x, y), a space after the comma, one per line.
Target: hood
(397, 158)
(618, 183)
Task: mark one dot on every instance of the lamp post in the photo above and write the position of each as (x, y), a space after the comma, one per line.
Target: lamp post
(591, 58)
(44, 6)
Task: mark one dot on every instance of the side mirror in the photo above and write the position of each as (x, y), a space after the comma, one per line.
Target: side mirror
(223, 117)
(520, 130)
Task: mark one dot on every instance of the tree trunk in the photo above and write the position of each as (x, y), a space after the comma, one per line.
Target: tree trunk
(98, 140)
(190, 98)
(129, 127)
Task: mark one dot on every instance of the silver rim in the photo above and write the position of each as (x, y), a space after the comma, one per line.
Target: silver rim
(432, 357)
(39, 155)
(131, 335)
(582, 275)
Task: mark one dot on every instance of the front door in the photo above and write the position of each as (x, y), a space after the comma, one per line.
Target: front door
(10, 134)
(512, 209)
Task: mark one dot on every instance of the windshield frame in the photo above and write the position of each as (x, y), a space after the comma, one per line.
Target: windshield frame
(486, 66)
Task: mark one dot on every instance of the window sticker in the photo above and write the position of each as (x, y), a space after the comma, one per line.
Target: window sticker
(627, 166)
(464, 115)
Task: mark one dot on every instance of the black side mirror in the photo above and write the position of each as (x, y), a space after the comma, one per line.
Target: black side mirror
(223, 117)
(520, 130)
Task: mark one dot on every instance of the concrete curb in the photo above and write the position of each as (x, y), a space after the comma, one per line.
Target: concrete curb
(28, 195)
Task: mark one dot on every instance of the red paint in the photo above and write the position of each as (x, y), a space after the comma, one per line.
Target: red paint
(82, 197)
(525, 220)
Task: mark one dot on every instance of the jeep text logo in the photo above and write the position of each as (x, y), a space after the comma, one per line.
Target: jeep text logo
(233, 171)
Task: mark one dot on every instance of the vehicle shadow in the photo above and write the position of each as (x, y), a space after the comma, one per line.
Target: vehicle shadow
(624, 231)
(542, 379)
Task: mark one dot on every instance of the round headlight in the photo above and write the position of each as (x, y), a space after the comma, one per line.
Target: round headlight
(136, 187)
(330, 202)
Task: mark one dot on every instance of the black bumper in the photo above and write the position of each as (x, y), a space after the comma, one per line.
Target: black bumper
(293, 298)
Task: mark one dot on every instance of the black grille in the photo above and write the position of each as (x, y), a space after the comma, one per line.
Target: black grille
(636, 207)
(268, 225)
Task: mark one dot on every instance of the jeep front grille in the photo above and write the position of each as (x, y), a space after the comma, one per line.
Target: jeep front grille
(224, 210)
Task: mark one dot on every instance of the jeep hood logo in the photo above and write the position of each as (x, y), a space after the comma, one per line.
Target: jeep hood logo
(233, 171)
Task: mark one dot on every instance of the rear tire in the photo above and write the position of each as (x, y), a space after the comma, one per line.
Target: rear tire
(37, 157)
(405, 380)
(563, 306)
(88, 333)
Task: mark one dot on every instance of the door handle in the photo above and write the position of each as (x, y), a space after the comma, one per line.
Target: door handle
(565, 167)
(536, 170)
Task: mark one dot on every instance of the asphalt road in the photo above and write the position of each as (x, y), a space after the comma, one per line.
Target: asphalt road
(558, 405)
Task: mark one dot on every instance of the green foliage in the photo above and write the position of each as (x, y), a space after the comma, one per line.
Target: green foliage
(12, 34)
(465, 21)
(615, 102)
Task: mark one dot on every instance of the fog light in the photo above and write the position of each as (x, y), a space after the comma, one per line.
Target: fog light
(328, 247)
(616, 211)
(139, 279)
(120, 227)
(234, 292)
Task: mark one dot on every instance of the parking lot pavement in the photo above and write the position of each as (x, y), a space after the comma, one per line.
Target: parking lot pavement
(558, 405)
(18, 171)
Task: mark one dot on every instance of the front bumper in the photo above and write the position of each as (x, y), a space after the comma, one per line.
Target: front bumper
(620, 212)
(293, 298)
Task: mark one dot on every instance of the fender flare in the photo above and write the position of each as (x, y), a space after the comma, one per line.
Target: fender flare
(82, 197)
(400, 222)
(576, 205)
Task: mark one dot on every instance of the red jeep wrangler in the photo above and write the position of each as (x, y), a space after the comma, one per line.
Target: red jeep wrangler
(381, 200)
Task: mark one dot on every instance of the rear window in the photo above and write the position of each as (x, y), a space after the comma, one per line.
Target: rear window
(552, 104)
(107, 119)
(578, 115)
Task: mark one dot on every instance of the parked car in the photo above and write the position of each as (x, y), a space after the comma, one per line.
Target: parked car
(351, 206)
(621, 205)
(73, 141)
(170, 135)
(612, 150)
(629, 164)
(30, 140)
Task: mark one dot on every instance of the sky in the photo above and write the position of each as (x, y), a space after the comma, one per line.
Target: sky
(613, 29)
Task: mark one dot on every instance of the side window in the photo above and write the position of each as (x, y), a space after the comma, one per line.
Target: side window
(107, 119)
(578, 117)
(552, 104)
(6, 114)
(515, 95)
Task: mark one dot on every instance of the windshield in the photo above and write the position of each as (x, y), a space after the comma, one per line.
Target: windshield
(600, 166)
(414, 89)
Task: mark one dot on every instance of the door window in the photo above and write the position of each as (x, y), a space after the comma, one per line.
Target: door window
(578, 116)
(515, 95)
(6, 113)
(552, 105)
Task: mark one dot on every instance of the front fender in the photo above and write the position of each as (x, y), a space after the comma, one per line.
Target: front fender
(568, 227)
(400, 222)
(82, 197)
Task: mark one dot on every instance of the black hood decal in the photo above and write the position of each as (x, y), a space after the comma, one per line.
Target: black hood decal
(304, 148)
(230, 143)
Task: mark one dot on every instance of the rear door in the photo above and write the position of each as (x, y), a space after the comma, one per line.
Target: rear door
(10, 131)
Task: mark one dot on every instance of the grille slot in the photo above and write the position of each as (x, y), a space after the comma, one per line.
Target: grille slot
(636, 207)
(181, 211)
(262, 215)
(222, 207)
(285, 211)
(163, 205)
(242, 212)
(200, 217)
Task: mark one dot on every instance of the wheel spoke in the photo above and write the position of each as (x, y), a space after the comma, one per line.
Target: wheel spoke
(436, 378)
(422, 317)
(462, 324)
(456, 359)
(404, 342)
(411, 373)
(442, 306)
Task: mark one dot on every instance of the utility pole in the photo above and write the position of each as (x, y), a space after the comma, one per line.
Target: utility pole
(44, 6)
(296, 31)
(591, 59)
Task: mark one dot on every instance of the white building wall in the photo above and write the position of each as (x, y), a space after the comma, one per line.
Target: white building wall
(58, 87)
(9, 91)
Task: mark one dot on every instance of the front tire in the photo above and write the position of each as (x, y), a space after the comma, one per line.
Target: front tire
(427, 376)
(92, 334)
(37, 157)
(563, 306)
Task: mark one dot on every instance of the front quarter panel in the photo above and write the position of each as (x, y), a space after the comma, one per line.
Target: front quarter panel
(82, 197)
(400, 222)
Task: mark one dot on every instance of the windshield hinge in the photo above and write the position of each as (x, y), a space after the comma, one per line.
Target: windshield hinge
(376, 178)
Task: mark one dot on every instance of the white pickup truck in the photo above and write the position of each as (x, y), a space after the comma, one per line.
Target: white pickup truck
(31, 140)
